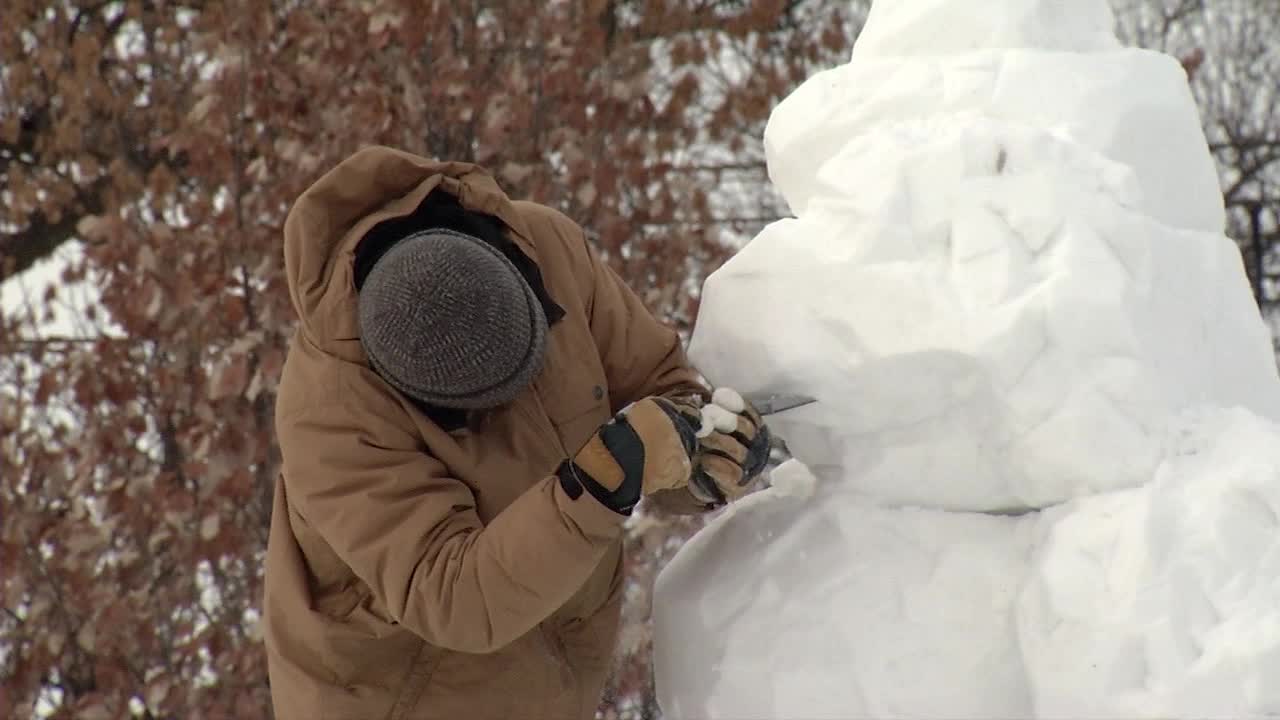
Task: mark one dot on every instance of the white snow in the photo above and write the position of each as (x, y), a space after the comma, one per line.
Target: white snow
(1165, 601)
(966, 288)
(948, 27)
(721, 415)
(793, 478)
(1045, 458)
(834, 608)
(729, 399)
(719, 418)
(1161, 601)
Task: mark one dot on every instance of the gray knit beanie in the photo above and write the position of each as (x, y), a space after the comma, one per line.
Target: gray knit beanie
(447, 319)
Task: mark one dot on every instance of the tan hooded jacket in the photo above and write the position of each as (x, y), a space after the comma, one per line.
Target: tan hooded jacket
(417, 573)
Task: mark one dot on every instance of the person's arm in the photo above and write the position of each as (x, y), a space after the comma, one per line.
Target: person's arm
(641, 355)
(412, 534)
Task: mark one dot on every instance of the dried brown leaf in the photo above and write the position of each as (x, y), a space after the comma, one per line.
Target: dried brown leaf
(210, 526)
(230, 378)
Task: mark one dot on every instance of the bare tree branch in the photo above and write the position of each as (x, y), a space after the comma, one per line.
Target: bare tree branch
(22, 249)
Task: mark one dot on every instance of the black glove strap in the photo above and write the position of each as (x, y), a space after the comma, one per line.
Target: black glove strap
(627, 449)
(704, 482)
(757, 454)
(686, 426)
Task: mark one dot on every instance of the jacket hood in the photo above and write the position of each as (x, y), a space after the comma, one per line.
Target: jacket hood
(329, 219)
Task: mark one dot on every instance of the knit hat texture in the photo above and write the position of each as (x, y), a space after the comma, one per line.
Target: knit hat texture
(447, 319)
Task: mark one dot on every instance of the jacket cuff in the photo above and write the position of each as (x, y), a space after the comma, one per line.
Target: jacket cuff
(593, 518)
(574, 480)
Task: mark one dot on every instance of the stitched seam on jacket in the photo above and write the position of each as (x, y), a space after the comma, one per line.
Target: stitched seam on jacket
(415, 683)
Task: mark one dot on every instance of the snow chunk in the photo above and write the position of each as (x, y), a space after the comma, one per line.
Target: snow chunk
(719, 419)
(793, 479)
(729, 399)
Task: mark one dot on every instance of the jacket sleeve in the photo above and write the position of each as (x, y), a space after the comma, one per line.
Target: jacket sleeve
(641, 356)
(412, 534)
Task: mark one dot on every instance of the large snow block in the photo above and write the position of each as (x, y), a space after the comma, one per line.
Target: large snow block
(1164, 601)
(1156, 602)
(941, 27)
(987, 317)
(835, 608)
(1131, 106)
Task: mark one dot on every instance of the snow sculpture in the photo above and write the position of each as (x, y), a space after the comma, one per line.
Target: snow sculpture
(1035, 355)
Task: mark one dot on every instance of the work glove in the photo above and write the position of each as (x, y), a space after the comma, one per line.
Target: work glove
(646, 448)
(733, 449)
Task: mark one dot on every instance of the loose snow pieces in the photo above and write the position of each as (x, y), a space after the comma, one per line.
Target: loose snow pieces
(793, 479)
(719, 419)
(729, 399)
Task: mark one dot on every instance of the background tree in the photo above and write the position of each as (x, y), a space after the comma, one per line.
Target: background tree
(166, 142)
(1232, 56)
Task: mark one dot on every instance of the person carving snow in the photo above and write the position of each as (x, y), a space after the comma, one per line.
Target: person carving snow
(470, 409)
